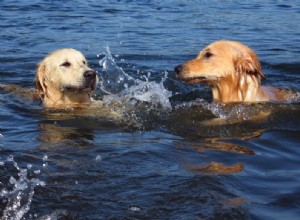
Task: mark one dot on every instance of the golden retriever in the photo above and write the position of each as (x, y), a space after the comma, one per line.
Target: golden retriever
(233, 72)
(64, 80)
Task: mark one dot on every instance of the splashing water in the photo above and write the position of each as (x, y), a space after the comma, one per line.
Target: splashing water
(120, 86)
(113, 79)
(225, 111)
(236, 111)
(125, 89)
(295, 98)
(20, 196)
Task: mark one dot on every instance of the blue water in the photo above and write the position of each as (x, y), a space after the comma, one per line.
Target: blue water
(161, 161)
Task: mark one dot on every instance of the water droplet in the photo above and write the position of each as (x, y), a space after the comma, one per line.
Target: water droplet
(37, 171)
(10, 158)
(45, 158)
(3, 192)
(98, 158)
(135, 209)
(12, 180)
(41, 183)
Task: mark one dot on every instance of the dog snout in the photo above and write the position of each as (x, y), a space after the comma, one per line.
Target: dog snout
(178, 69)
(90, 74)
(90, 79)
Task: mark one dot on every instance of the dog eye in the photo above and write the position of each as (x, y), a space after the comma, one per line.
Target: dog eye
(207, 54)
(66, 64)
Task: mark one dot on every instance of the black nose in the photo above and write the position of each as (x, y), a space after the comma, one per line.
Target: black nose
(178, 69)
(90, 74)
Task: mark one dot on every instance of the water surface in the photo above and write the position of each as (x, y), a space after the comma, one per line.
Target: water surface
(165, 159)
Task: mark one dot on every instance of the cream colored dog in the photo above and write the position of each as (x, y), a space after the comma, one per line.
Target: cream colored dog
(233, 72)
(63, 79)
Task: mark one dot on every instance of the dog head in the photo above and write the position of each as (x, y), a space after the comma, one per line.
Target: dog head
(221, 65)
(63, 78)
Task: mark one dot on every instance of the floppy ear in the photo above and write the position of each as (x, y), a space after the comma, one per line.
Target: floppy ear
(39, 81)
(250, 65)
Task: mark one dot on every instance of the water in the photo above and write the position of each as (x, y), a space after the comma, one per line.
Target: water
(171, 156)
(119, 85)
(18, 200)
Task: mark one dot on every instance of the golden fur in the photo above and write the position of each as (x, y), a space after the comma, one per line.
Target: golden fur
(233, 72)
(63, 79)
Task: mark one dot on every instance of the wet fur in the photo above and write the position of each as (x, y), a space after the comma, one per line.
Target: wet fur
(61, 82)
(66, 87)
(233, 72)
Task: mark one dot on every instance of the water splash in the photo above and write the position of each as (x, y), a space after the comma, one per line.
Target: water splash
(225, 111)
(196, 102)
(128, 91)
(119, 86)
(295, 98)
(113, 79)
(19, 192)
(235, 111)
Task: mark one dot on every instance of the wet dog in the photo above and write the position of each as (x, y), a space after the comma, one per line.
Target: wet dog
(65, 82)
(63, 79)
(233, 72)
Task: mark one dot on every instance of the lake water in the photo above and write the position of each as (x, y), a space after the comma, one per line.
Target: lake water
(165, 160)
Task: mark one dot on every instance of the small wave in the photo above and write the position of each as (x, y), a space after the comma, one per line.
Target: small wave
(19, 192)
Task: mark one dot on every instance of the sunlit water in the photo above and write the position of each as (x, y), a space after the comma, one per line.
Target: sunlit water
(172, 153)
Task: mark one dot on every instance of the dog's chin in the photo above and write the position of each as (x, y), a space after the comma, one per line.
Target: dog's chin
(85, 87)
(79, 89)
(194, 80)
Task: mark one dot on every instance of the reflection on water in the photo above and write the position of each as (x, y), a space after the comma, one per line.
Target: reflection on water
(217, 168)
(53, 133)
(219, 145)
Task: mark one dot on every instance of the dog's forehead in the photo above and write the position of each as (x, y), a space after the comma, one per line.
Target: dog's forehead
(67, 54)
(219, 47)
(215, 49)
(225, 48)
(232, 47)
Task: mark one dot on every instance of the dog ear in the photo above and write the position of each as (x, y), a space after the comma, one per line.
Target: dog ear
(39, 81)
(250, 65)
